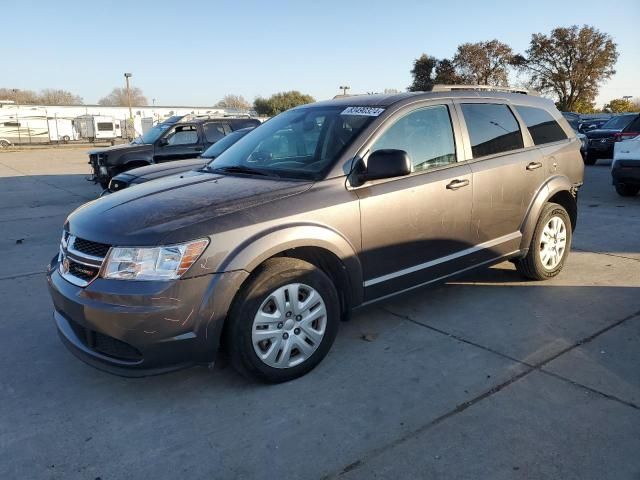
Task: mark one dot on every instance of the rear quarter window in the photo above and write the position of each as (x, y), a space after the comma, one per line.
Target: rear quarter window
(542, 126)
(239, 124)
(492, 128)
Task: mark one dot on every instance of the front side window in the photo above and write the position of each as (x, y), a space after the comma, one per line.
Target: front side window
(492, 128)
(300, 143)
(542, 127)
(182, 135)
(425, 134)
(213, 131)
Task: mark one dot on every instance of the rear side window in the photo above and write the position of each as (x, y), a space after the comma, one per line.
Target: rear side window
(492, 128)
(542, 127)
(632, 127)
(213, 131)
(249, 122)
(425, 134)
(105, 126)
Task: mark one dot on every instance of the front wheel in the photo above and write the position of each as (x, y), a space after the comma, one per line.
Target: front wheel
(627, 190)
(550, 244)
(283, 322)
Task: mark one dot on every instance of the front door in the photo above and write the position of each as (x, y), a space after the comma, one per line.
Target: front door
(415, 229)
(181, 141)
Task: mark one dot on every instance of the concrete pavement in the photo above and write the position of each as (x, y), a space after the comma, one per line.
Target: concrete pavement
(489, 376)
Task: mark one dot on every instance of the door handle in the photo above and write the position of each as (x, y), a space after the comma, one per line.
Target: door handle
(456, 184)
(534, 165)
(198, 149)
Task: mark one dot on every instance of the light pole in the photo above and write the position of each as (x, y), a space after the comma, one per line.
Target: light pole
(344, 89)
(127, 76)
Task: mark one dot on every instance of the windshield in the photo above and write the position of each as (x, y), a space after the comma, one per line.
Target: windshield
(618, 123)
(225, 142)
(300, 143)
(152, 135)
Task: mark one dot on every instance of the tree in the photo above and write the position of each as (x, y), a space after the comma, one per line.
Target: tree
(422, 72)
(279, 102)
(570, 63)
(20, 97)
(118, 98)
(484, 63)
(235, 102)
(446, 74)
(620, 105)
(52, 96)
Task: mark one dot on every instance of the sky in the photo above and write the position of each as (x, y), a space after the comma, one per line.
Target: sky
(194, 52)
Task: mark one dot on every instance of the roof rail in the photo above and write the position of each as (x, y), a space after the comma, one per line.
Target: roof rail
(487, 88)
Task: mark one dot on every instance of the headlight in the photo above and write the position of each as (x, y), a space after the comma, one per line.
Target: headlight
(157, 263)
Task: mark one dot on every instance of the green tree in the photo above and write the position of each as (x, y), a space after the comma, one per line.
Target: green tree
(280, 102)
(236, 102)
(570, 63)
(422, 72)
(446, 74)
(620, 105)
(118, 98)
(484, 63)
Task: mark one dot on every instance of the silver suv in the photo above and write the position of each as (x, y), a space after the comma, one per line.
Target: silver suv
(322, 209)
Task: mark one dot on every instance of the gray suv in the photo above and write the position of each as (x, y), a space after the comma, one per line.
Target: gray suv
(322, 209)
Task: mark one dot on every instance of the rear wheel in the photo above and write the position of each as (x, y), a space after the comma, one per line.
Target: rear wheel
(550, 244)
(283, 322)
(4, 144)
(627, 190)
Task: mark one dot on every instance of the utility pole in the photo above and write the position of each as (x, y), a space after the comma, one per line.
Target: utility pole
(344, 89)
(127, 76)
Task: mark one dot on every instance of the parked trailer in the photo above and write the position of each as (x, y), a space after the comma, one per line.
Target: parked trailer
(24, 127)
(97, 127)
(62, 130)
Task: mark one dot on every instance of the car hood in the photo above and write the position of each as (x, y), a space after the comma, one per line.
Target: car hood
(176, 208)
(125, 147)
(602, 133)
(158, 170)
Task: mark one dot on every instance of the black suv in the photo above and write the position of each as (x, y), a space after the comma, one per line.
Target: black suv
(163, 143)
(601, 140)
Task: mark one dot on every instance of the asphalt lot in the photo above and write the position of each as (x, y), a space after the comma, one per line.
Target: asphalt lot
(485, 377)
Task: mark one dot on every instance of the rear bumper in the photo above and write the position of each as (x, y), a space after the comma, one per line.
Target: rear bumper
(599, 149)
(143, 328)
(626, 172)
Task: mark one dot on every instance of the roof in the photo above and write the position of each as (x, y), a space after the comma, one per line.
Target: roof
(386, 100)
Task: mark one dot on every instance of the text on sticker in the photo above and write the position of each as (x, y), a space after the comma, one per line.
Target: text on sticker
(366, 111)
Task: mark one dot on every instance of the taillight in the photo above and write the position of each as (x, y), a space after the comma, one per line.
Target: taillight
(618, 137)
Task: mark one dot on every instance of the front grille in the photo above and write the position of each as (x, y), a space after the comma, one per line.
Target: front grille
(104, 344)
(80, 259)
(83, 272)
(94, 249)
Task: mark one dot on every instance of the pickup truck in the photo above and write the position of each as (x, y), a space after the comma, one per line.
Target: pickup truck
(163, 143)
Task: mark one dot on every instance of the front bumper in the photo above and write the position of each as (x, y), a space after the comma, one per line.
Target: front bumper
(143, 328)
(626, 172)
(601, 149)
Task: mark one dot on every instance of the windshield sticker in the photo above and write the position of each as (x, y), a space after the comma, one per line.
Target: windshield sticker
(366, 111)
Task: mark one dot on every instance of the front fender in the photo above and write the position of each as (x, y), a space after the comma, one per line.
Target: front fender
(554, 185)
(256, 249)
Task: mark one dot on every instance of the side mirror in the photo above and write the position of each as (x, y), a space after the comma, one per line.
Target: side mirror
(163, 142)
(387, 163)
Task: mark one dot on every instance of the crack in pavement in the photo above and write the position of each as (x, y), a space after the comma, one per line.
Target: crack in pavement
(21, 275)
(605, 253)
(536, 367)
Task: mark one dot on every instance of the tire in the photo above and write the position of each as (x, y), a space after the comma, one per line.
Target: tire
(590, 159)
(627, 190)
(4, 144)
(66, 139)
(255, 315)
(532, 266)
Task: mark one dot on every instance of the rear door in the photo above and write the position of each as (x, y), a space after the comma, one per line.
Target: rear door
(507, 172)
(180, 141)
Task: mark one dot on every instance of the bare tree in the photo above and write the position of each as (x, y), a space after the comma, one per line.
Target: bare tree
(20, 97)
(51, 96)
(118, 98)
(235, 102)
(484, 63)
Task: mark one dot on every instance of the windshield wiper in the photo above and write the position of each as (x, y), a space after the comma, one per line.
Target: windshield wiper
(242, 169)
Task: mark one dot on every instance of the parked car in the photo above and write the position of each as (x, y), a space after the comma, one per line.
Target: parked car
(160, 170)
(163, 143)
(625, 168)
(601, 140)
(324, 208)
(591, 124)
(573, 119)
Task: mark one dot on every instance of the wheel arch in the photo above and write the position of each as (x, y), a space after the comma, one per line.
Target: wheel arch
(557, 190)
